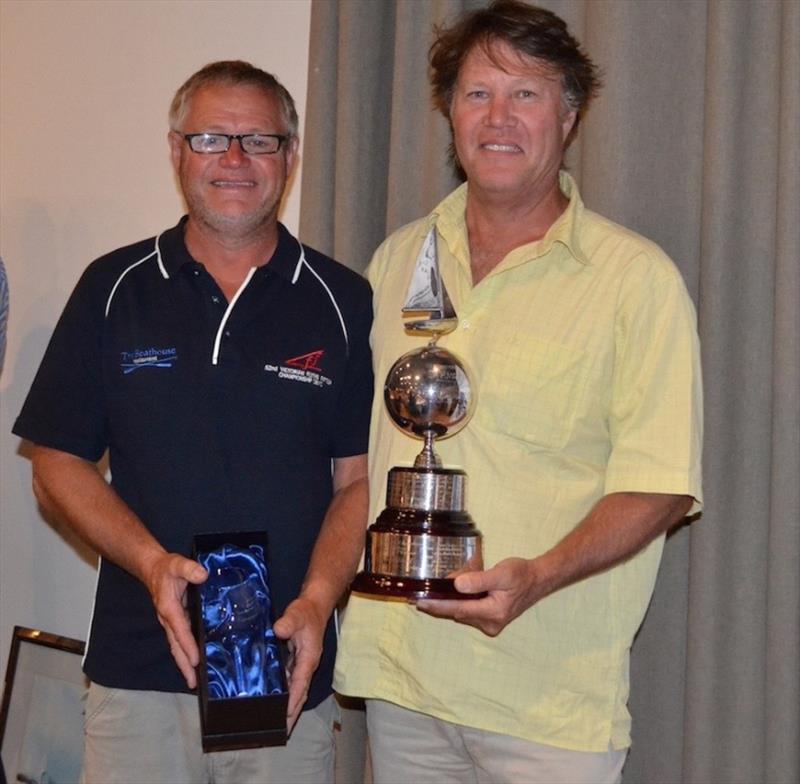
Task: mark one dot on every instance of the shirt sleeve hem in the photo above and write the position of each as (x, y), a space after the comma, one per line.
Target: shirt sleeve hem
(59, 441)
(677, 484)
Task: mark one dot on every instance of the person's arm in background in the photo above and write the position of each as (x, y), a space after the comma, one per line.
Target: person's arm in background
(3, 313)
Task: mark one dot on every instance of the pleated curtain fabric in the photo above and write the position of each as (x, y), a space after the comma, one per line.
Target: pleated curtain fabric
(694, 142)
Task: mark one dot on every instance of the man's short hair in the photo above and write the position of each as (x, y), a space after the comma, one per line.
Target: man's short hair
(529, 30)
(231, 73)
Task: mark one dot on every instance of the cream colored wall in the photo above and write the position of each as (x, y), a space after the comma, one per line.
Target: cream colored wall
(84, 91)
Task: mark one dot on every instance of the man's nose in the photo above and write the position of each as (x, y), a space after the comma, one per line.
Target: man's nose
(499, 111)
(235, 155)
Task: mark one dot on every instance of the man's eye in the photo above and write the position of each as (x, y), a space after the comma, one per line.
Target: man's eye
(526, 94)
(477, 94)
(211, 139)
(258, 142)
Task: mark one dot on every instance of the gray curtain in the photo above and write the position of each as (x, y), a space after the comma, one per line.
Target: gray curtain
(694, 142)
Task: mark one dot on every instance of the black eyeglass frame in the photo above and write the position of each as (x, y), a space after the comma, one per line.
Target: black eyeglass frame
(240, 137)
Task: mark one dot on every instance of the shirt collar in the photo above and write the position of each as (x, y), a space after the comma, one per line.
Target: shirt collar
(448, 216)
(174, 254)
(566, 229)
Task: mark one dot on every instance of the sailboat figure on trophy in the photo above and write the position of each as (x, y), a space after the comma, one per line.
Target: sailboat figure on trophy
(424, 535)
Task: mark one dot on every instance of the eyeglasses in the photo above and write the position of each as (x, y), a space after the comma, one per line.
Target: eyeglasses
(251, 143)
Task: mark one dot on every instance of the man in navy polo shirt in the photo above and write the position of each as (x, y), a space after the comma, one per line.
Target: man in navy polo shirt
(226, 369)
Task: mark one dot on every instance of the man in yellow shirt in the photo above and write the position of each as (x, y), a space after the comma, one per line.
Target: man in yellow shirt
(584, 448)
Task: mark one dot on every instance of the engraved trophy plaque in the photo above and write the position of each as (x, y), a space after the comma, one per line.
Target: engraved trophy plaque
(424, 535)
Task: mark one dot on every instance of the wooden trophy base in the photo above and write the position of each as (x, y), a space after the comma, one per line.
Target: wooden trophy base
(412, 589)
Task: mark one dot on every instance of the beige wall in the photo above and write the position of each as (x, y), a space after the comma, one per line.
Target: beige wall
(84, 91)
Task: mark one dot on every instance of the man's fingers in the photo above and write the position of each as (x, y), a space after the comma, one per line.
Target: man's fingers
(174, 618)
(490, 614)
(297, 698)
(187, 643)
(447, 608)
(299, 683)
(302, 627)
(180, 637)
(169, 601)
(302, 671)
(504, 576)
(442, 608)
(285, 627)
(186, 569)
(182, 659)
(474, 582)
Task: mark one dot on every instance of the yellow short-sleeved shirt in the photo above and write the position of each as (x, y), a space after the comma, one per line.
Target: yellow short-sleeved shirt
(584, 354)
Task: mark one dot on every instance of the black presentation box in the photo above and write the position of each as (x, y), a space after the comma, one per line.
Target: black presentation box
(238, 650)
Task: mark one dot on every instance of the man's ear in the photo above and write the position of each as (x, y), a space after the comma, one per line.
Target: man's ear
(292, 146)
(176, 143)
(567, 124)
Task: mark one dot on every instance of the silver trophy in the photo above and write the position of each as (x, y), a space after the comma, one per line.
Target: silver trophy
(424, 535)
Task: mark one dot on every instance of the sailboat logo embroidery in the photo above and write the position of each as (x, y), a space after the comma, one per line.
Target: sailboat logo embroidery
(304, 369)
(307, 361)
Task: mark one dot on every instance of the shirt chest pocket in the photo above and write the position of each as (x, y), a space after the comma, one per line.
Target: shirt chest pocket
(532, 390)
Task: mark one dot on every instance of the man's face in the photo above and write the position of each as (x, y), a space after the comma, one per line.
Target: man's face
(509, 122)
(233, 193)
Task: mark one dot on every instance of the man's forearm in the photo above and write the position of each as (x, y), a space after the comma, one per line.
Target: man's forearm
(333, 563)
(74, 490)
(339, 546)
(618, 526)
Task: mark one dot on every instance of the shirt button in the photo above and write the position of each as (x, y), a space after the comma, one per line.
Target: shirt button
(467, 325)
(227, 333)
(196, 272)
(215, 299)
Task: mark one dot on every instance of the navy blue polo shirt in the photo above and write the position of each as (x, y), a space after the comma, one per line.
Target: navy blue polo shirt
(217, 416)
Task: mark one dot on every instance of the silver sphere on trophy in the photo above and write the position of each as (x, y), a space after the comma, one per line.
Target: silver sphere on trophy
(424, 535)
(428, 395)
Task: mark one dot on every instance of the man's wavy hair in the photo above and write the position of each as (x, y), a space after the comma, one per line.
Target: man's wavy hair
(231, 73)
(529, 30)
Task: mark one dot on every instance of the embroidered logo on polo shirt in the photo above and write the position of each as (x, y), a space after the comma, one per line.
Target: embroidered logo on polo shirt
(307, 361)
(147, 357)
(304, 368)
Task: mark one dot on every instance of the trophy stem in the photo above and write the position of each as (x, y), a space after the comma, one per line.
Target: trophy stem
(428, 458)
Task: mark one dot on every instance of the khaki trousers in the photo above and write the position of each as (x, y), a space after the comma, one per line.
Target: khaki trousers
(406, 746)
(147, 737)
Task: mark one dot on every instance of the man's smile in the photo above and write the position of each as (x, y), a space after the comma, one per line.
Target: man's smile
(501, 147)
(233, 183)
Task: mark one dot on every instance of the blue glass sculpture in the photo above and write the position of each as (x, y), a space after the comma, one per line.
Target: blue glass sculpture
(241, 649)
